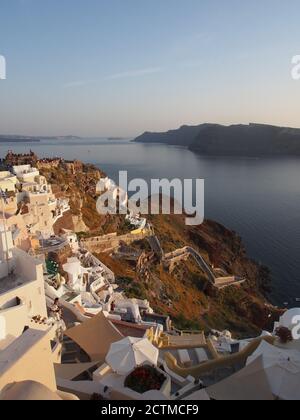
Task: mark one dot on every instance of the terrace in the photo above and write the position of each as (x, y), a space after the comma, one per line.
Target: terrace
(8, 181)
(11, 282)
(52, 244)
(26, 173)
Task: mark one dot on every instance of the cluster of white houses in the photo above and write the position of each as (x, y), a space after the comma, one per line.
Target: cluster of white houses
(30, 205)
(106, 345)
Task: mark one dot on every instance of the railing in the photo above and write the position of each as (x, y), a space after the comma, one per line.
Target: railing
(186, 332)
(49, 247)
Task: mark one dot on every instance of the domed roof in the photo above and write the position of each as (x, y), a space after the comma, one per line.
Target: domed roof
(28, 391)
(288, 319)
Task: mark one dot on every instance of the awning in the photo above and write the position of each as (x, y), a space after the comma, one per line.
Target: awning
(95, 336)
(71, 371)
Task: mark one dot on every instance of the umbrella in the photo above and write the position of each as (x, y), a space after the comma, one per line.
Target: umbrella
(282, 368)
(288, 359)
(127, 354)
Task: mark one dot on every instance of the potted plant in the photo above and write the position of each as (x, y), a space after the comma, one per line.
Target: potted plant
(145, 378)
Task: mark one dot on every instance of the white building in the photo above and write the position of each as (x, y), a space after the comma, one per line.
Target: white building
(26, 334)
(8, 184)
(22, 293)
(40, 208)
(8, 181)
(25, 173)
(77, 275)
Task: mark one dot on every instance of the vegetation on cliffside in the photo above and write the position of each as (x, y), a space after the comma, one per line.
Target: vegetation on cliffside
(181, 291)
(184, 292)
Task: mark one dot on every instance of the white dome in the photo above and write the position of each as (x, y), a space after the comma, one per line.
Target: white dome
(288, 319)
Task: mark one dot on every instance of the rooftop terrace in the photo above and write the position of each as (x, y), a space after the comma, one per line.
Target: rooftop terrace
(11, 282)
(53, 244)
(16, 350)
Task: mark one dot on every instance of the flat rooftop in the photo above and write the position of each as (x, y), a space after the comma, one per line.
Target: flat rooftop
(11, 282)
(16, 350)
(52, 244)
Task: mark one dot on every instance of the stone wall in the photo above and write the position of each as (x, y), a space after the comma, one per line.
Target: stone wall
(13, 159)
(48, 164)
(111, 242)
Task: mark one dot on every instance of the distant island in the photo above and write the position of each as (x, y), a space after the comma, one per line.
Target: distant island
(18, 139)
(12, 138)
(253, 140)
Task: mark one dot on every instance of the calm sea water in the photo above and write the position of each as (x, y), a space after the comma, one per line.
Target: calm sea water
(258, 198)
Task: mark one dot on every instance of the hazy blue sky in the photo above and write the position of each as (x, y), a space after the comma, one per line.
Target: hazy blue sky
(120, 67)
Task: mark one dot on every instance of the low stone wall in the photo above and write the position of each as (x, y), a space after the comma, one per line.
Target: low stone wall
(111, 242)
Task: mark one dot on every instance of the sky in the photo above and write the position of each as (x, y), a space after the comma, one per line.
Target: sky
(122, 67)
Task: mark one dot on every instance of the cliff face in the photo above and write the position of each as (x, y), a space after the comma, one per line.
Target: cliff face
(182, 289)
(184, 136)
(252, 140)
(236, 140)
(77, 182)
(242, 309)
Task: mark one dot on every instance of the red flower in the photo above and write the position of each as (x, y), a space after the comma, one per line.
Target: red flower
(145, 378)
